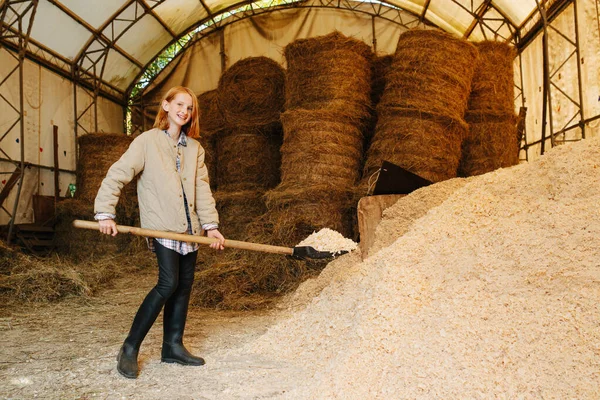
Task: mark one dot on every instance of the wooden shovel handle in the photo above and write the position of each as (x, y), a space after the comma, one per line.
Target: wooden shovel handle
(236, 244)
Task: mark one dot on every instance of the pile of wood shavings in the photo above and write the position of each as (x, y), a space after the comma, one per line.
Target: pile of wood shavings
(329, 240)
(495, 293)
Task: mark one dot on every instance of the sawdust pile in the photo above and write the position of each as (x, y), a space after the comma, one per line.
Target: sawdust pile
(495, 293)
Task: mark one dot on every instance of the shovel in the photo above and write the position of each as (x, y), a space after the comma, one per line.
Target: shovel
(299, 252)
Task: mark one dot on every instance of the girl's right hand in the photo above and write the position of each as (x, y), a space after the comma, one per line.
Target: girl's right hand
(108, 226)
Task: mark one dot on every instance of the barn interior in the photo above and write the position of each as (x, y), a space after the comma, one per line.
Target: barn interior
(449, 148)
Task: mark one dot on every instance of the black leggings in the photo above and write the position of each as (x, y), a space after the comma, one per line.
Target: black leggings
(175, 271)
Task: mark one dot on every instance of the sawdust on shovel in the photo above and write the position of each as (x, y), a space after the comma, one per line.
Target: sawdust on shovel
(329, 240)
(480, 288)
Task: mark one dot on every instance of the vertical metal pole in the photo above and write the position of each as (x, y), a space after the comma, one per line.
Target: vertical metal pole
(143, 116)
(56, 173)
(547, 98)
(523, 106)
(76, 125)
(222, 52)
(23, 40)
(374, 35)
(96, 109)
(581, 105)
(21, 143)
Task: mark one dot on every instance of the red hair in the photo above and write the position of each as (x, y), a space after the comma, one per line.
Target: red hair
(192, 128)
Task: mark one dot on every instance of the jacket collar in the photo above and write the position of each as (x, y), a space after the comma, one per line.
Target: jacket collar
(182, 138)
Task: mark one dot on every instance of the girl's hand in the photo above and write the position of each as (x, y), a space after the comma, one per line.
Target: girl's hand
(108, 226)
(214, 233)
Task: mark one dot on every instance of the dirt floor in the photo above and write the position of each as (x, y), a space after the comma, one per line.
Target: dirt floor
(67, 350)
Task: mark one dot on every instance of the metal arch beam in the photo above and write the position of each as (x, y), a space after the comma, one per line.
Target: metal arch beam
(88, 66)
(208, 11)
(552, 7)
(479, 13)
(385, 11)
(101, 29)
(505, 22)
(95, 33)
(425, 8)
(150, 10)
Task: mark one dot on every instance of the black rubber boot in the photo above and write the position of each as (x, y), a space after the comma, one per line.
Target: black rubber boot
(175, 315)
(127, 363)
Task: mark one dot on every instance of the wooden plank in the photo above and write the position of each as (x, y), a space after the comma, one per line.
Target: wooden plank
(370, 210)
(9, 185)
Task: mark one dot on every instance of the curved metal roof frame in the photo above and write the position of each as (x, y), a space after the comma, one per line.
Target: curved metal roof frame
(382, 9)
(89, 65)
(520, 35)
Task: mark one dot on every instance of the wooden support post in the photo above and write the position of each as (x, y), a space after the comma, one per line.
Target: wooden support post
(56, 172)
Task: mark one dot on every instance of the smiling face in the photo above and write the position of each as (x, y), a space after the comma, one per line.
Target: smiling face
(179, 110)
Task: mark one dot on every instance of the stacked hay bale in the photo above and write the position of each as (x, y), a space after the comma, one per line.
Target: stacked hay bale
(211, 123)
(379, 69)
(249, 162)
(492, 141)
(328, 87)
(250, 97)
(97, 152)
(327, 92)
(421, 123)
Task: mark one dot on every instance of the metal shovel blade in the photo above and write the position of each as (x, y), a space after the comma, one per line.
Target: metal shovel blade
(304, 252)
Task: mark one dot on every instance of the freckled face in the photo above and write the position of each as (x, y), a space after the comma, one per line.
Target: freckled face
(179, 109)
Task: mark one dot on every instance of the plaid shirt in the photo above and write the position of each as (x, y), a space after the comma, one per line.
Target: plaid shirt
(180, 247)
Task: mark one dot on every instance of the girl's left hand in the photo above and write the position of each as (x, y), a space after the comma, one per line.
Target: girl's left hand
(214, 233)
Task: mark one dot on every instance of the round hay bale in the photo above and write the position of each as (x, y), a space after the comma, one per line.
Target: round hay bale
(492, 142)
(83, 244)
(210, 117)
(492, 89)
(329, 68)
(249, 158)
(97, 152)
(251, 92)
(320, 148)
(208, 142)
(237, 210)
(431, 72)
(241, 280)
(379, 69)
(299, 50)
(424, 144)
(250, 280)
(295, 213)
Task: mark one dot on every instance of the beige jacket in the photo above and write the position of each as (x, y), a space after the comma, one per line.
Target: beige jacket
(153, 155)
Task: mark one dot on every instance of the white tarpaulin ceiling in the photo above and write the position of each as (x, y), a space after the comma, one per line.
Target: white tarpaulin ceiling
(115, 40)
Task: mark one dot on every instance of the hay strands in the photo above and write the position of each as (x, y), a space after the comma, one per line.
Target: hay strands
(298, 252)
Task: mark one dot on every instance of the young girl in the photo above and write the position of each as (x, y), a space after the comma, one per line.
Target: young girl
(174, 195)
